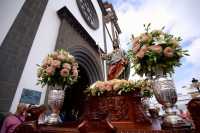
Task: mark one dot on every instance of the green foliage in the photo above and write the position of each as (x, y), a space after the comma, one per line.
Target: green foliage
(157, 51)
(58, 68)
(120, 87)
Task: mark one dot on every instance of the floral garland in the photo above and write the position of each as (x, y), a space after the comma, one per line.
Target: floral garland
(58, 68)
(156, 50)
(119, 87)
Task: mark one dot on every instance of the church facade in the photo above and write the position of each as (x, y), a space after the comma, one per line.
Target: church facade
(33, 28)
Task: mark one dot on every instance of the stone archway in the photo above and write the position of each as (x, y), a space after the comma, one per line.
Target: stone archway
(88, 62)
(75, 39)
(74, 103)
(89, 72)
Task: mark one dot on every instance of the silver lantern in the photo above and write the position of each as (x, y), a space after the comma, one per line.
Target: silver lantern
(165, 93)
(55, 101)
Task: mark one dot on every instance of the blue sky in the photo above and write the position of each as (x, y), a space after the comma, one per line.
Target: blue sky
(180, 17)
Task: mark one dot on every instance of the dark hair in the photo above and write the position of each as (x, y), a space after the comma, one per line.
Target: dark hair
(115, 46)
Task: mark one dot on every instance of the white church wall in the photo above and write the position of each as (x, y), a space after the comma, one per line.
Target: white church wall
(43, 44)
(109, 43)
(8, 12)
(97, 34)
(108, 37)
(45, 41)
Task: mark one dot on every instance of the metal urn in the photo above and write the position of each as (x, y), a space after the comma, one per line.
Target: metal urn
(165, 93)
(55, 101)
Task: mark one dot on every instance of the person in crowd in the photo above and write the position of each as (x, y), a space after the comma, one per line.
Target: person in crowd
(37, 114)
(13, 120)
(2, 117)
(185, 114)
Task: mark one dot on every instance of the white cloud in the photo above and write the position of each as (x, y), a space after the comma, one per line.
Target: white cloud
(191, 66)
(180, 17)
(194, 49)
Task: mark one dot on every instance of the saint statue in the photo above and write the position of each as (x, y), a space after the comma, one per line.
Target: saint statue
(118, 64)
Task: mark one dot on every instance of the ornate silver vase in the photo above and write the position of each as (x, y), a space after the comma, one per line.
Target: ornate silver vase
(55, 101)
(165, 93)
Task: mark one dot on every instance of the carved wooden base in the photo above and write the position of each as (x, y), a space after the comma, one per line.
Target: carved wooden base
(128, 125)
(121, 109)
(96, 123)
(123, 128)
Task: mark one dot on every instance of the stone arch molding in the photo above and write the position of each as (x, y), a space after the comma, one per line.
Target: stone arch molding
(86, 60)
(74, 38)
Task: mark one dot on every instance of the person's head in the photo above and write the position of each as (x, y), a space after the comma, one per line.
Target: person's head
(43, 108)
(115, 44)
(181, 111)
(21, 109)
(34, 112)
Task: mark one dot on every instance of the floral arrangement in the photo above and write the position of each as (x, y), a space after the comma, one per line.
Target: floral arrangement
(58, 68)
(156, 50)
(119, 87)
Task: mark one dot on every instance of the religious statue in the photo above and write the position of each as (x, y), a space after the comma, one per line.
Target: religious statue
(118, 64)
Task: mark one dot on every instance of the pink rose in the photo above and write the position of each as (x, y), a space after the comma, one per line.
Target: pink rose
(116, 85)
(99, 85)
(156, 48)
(67, 66)
(64, 72)
(168, 52)
(45, 65)
(136, 40)
(50, 70)
(75, 73)
(145, 37)
(108, 86)
(142, 52)
(103, 87)
(61, 57)
(74, 66)
(136, 47)
(54, 55)
(48, 61)
(71, 58)
(56, 63)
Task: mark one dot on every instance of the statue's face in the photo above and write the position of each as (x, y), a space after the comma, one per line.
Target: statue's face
(115, 47)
